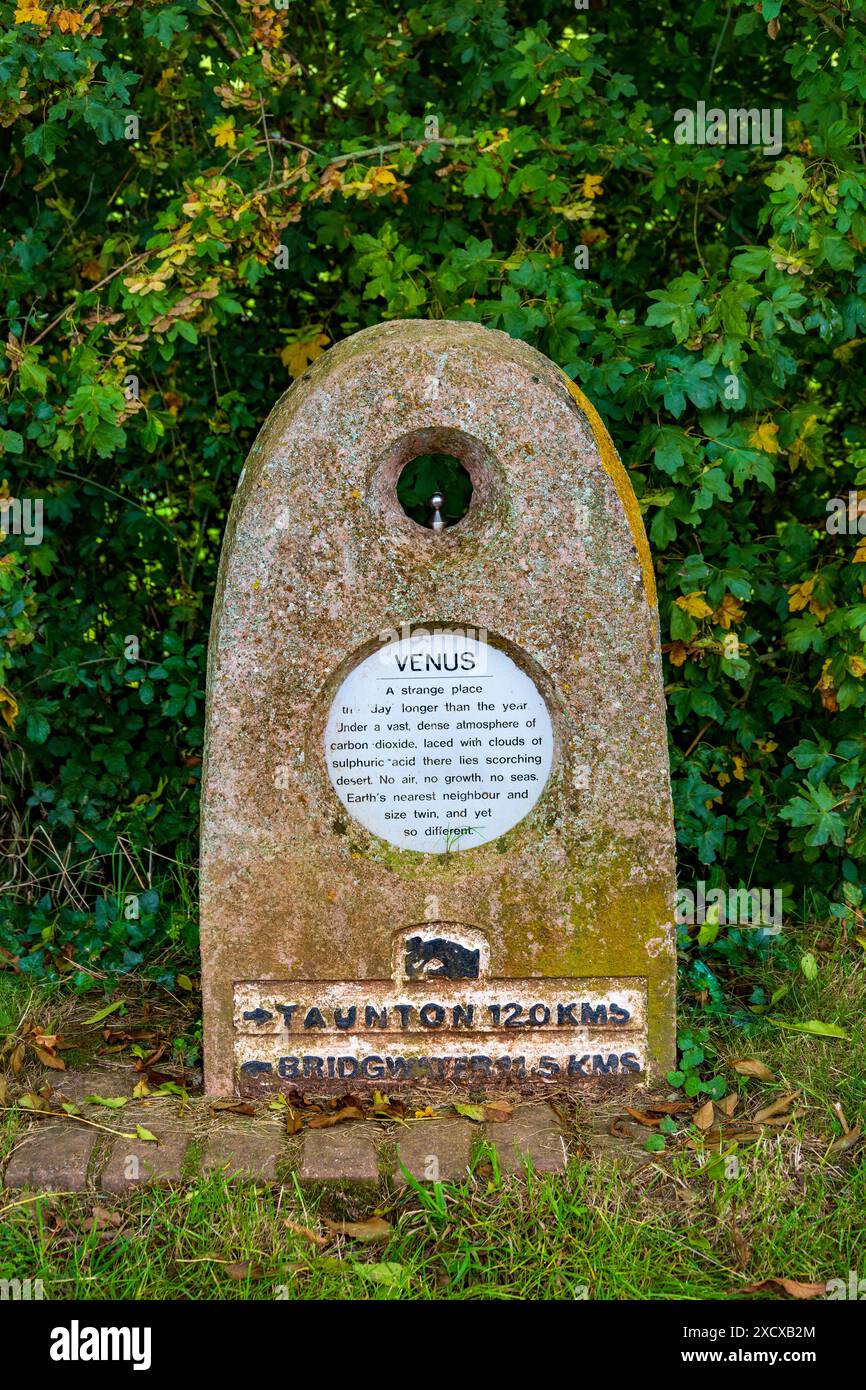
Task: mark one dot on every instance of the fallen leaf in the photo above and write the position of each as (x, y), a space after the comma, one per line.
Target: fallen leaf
(145, 1134)
(110, 1102)
(16, 1061)
(374, 1228)
(307, 1232)
(232, 1107)
(669, 1107)
(749, 1067)
(349, 1112)
(728, 1104)
(48, 1059)
(495, 1111)
(642, 1119)
(813, 1026)
(102, 1217)
(777, 1107)
(389, 1272)
(844, 1142)
(704, 1117)
(2, 1090)
(103, 1013)
(741, 1247)
(31, 1101)
(471, 1112)
(294, 1123)
(244, 1269)
(791, 1286)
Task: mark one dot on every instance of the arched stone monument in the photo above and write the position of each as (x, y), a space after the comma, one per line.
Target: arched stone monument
(437, 838)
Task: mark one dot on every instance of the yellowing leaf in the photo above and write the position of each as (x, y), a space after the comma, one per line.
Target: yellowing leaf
(8, 707)
(298, 354)
(729, 612)
(678, 653)
(374, 1228)
(800, 594)
(593, 186)
(695, 605)
(382, 177)
(142, 1133)
(30, 14)
(859, 557)
(223, 132)
(857, 666)
(471, 1112)
(68, 21)
(765, 437)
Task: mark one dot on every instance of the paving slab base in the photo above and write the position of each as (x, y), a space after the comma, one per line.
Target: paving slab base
(66, 1157)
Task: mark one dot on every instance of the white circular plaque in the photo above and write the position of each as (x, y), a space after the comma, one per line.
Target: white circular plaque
(438, 741)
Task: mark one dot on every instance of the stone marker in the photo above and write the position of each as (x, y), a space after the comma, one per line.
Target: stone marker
(437, 839)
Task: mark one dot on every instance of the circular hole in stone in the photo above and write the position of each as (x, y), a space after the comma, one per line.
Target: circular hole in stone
(434, 476)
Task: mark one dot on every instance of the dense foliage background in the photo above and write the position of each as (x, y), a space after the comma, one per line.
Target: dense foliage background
(200, 197)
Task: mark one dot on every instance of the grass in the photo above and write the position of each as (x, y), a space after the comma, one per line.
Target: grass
(670, 1230)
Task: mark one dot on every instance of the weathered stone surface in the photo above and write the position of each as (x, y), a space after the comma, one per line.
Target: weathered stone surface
(551, 561)
(533, 1132)
(108, 1082)
(135, 1162)
(434, 1150)
(345, 1152)
(244, 1153)
(52, 1158)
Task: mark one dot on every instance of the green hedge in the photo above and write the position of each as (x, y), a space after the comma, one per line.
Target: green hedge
(183, 216)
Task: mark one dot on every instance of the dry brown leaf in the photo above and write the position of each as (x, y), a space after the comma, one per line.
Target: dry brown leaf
(294, 1123)
(307, 1232)
(244, 1269)
(374, 1228)
(641, 1118)
(101, 1217)
(776, 1107)
(786, 1119)
(48, 1059)
(704, 1117)
(2, 1089)
(232, 1107)
(349, 1112)
(17, 1059)
(749, 1067)
(791, 1286)
(669, 1107)
(741, 1247)
(845, 1141)
(728, 1104)
(498, 1110)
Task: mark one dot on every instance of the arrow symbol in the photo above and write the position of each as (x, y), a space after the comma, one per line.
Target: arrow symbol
(255, 1068)
(258, 1016)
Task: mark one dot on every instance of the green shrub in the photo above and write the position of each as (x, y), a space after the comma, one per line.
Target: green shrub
(186, 229)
